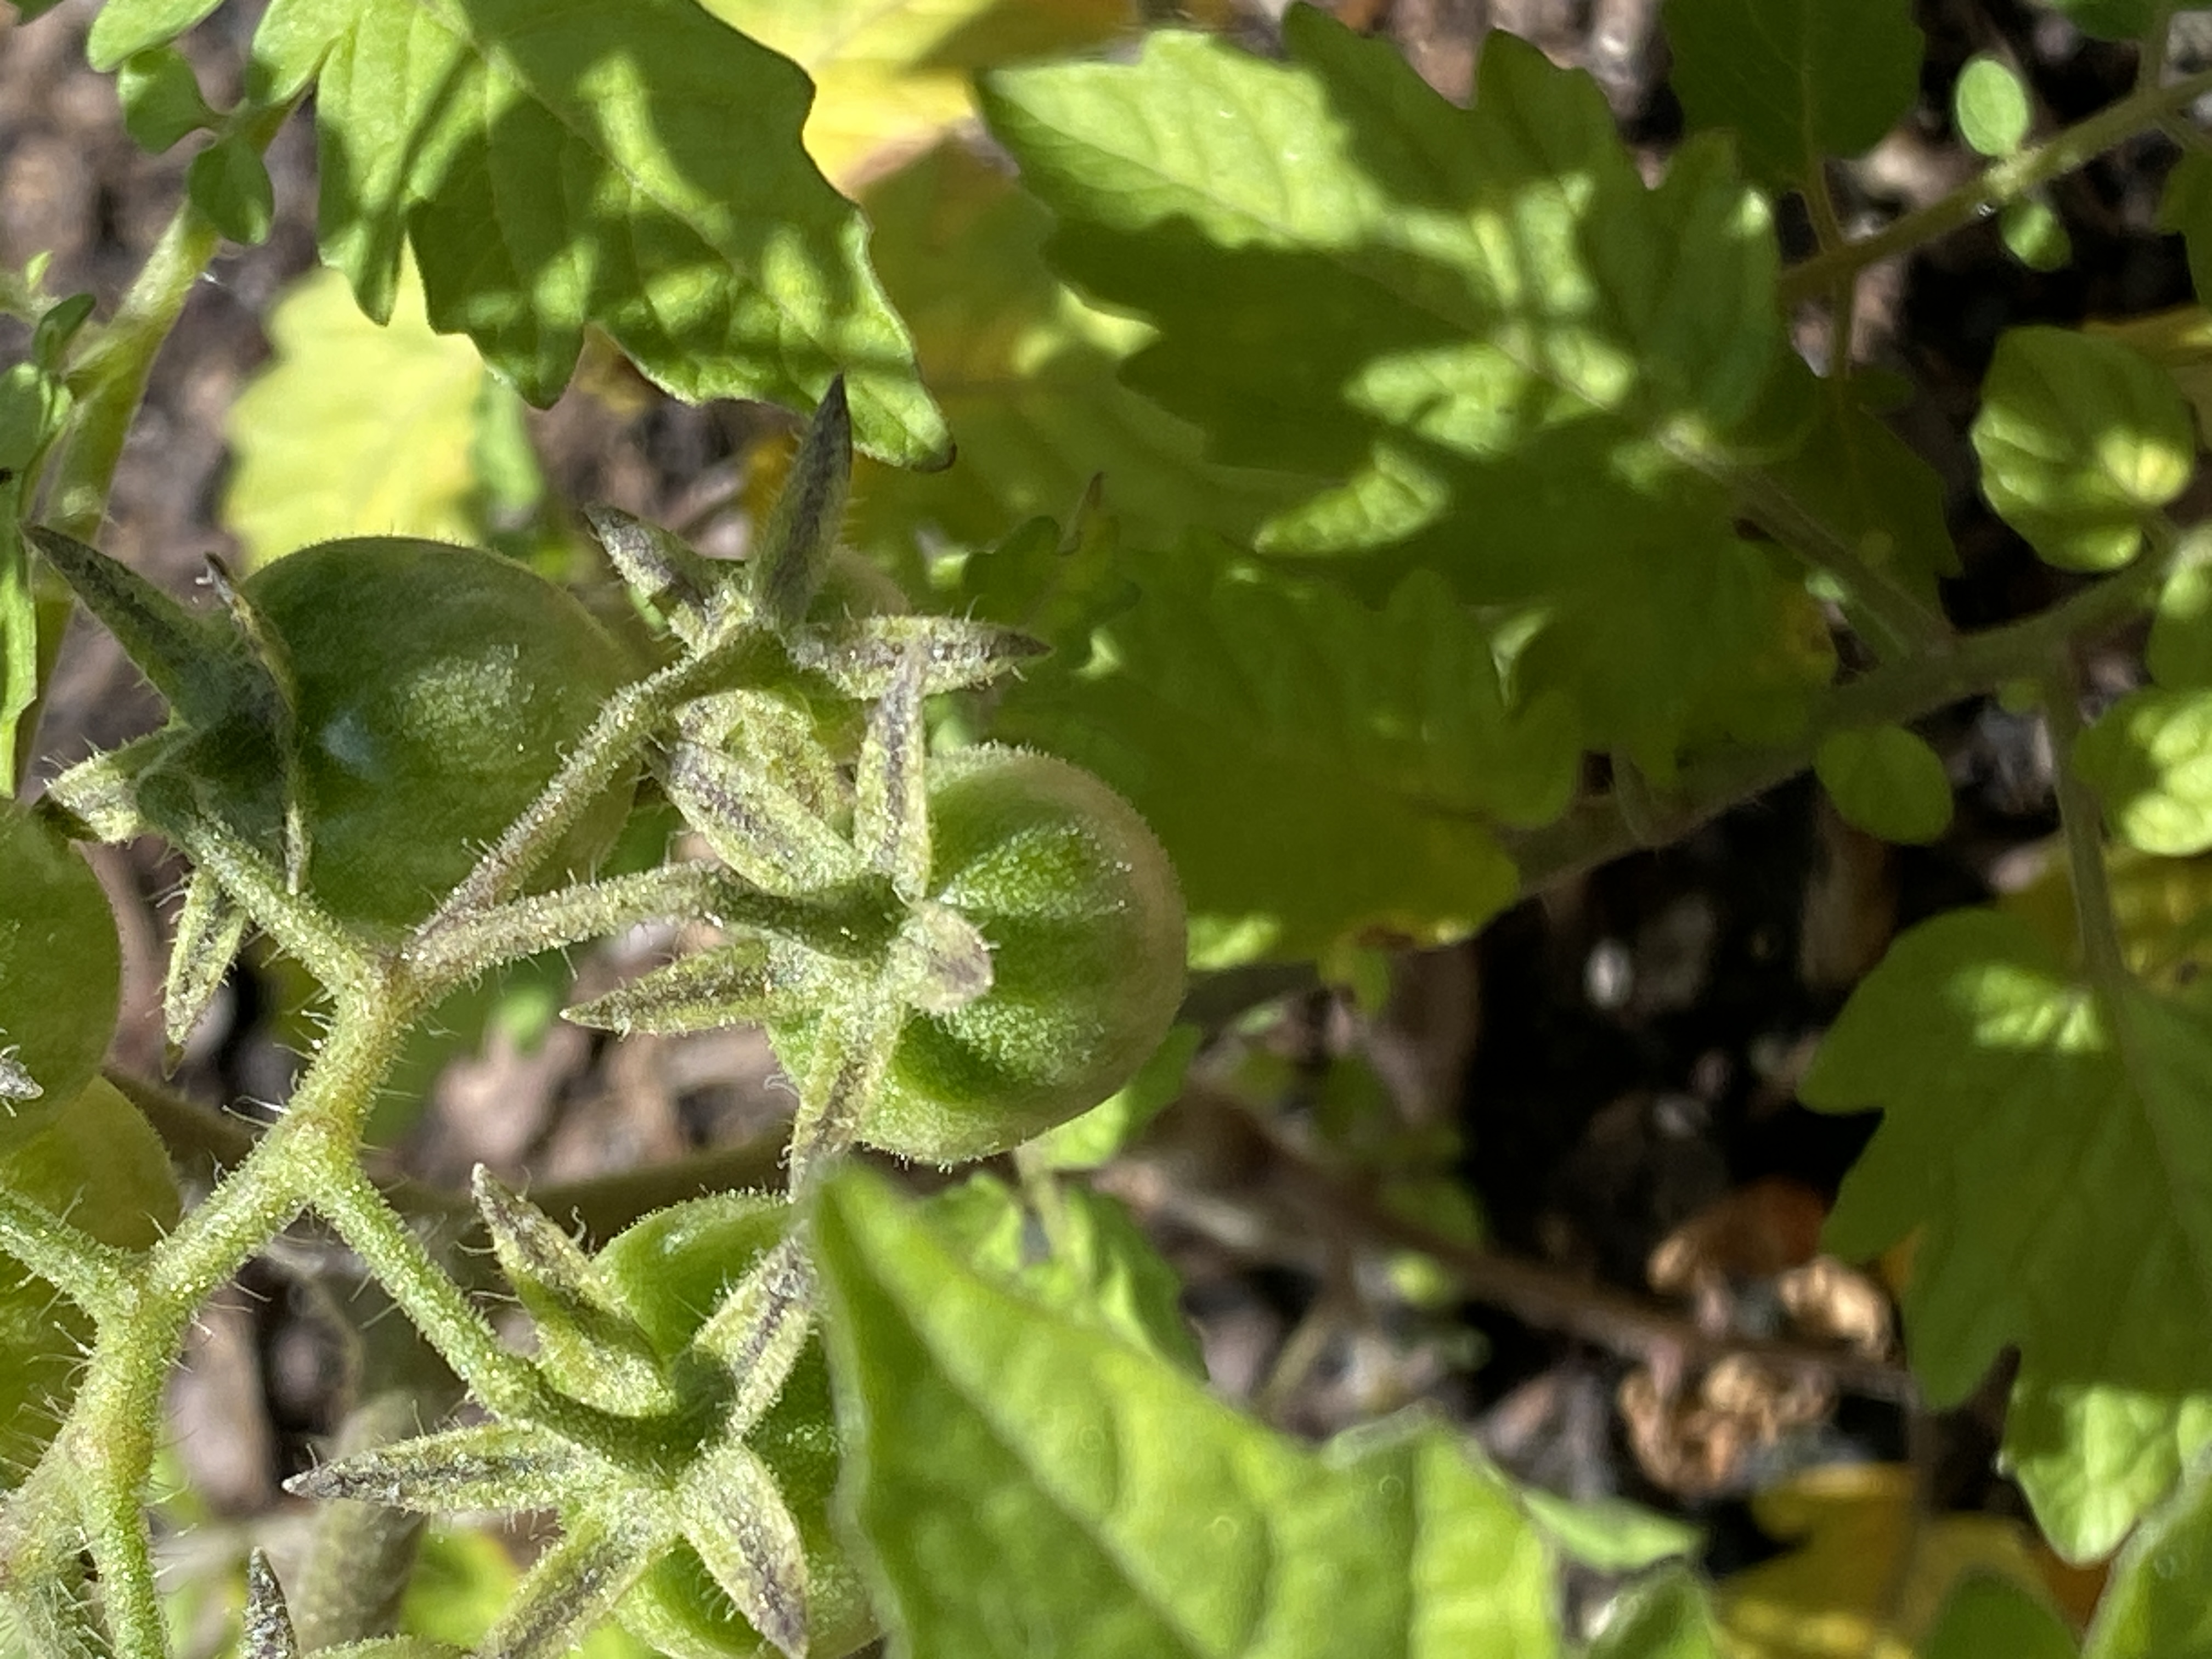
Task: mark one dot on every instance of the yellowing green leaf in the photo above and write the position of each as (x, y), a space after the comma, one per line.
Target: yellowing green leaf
(1887, 781)
(2080, 440)
(356, 430)
(1869, 1574)
(1318, 771)
(1026, 375)
(1795, 80)
(1027, 1485)
(637, 166)
(892, 76)
(2049, 1142)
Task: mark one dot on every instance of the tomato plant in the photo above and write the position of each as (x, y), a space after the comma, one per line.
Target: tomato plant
(1453, 491)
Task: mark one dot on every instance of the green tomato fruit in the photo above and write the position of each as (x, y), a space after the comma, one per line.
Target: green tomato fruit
(672, 1270)
(439, 688)
(60, 974)
(1079, 907)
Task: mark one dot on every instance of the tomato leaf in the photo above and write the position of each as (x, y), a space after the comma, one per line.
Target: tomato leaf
(160, 97)
(1667, 1617)
(2147, 757)
(1125, 1511)
(1026, 372)
(125, 27)
(2048, 1141)
(99, 1164)
(637, 166)
(61, 972)
(316, 458)
(891, 77)
(1795, 80)
(1987, 1615)
(2154, 1606)
(1316, 769)
(2081, 439)
(1990, 106)
(1099, 1269)
(1495, 351)
(1887, 781)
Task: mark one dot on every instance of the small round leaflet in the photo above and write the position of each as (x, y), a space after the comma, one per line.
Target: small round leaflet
(1887, 782)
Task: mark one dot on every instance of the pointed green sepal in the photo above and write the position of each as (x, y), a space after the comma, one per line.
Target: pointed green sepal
(586, 1343)
(193, 661)
(269, 1633)
(575, 1584)
(759, 828)
(801, 532)
(735, 1516)
(100, 793)
(491, 1465)
(890, 805)
(746, 983)
(210, 928)
(758, 1332)
(661, 571)
(861, 658)
(848, 1053)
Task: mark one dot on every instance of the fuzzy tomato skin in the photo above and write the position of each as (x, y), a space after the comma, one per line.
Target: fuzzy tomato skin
(672, 1269)
(439, 688)
(1080, 907)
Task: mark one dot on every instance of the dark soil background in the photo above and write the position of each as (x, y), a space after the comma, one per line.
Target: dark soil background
(1617, 1057)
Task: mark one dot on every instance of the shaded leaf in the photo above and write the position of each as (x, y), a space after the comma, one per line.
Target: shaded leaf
(161, 97)
(1026, 373)
(635, 166)
(61, 971)
(228, 182)
(1124, 1510)
(1317, 770)
(1795, 80)
(1988, 1615)
(1529, 371)
(1669, 1617)
(1887, 781)
(101, 1165)
(2047, 1140)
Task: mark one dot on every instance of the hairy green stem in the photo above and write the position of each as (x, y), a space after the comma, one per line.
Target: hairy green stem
(97, 1276)
(109, 372)
(2082, 822)
(2002, 182)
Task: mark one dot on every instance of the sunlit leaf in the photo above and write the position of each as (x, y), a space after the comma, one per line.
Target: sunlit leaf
(2048, 1141)
(636, 165)
(1028, 1485)
(1523, 368)
(356, 430)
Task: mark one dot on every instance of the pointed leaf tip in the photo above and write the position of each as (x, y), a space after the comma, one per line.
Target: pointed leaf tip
(269, 1633)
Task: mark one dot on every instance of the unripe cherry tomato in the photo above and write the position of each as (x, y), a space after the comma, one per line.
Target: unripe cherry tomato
(1080, 909)
(439, 688)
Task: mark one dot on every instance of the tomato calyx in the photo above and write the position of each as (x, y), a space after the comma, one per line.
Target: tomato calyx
(701, 1315)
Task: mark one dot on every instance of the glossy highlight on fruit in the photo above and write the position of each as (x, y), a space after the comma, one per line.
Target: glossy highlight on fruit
(438, 689)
